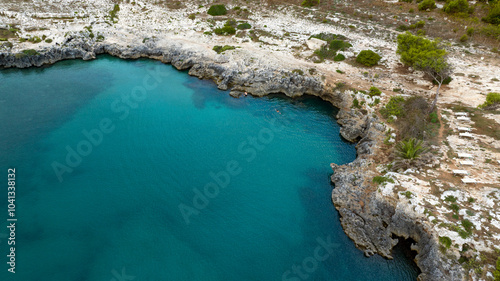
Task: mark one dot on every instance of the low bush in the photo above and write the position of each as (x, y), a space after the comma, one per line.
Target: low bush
(48, 40)
(113, 13)
(454, 207)
(217, 10)
(227, 29)
(464, 38)
(450, 198)
(492, 99)
(244, 25)
(496, 273)
(30, 52)
(493, 16)
(410, 149)
(382, 179)
(446, 241)
(433, 117)
(339, 57)
(219, 49)
(468, 225)
(427, 5)
(374, 91)
(368, 58)
(298, 71)
(341, 45)
(393, 108)
(456, 6)
(309, 3)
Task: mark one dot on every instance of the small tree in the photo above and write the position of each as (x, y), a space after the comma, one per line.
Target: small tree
(425, 55)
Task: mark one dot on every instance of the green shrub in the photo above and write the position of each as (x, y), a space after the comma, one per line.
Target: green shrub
(244, 25)
(337, 44)
(470, 31)
(468, 225)
(325, 53)
(456, 6)
(420, 24)
(192, 16)
(446, 241)
(339, 71)
(227, 29)
(113, 13)
(464, 38)
(298, 71)
(368, 58)
(491, 99)
(450, 198)
(374, 91)
(433, 117)
(217, 10)
(394, 107)
(382, 179)
(427, 5)
(454, 207)
(493, 16)
(309, 3)
(219, 49)
(339, 57)
(410, 149)
(355, 103)
(408, 194)
(464, 234)
(3, 39)
(496, 274)
(48, 40)
(30, 52)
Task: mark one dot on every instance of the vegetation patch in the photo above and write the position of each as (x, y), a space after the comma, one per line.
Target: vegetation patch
(217, 10)
(309, 3)
(382, 179)
(492, 101)
(368, 58)
(374, 91)
(427, 5)
(446, 241)
(220, 49)
(114, 13)
(227, 29)
(244, 25)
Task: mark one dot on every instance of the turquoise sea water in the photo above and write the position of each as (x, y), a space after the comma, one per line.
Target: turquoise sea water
(131, 170)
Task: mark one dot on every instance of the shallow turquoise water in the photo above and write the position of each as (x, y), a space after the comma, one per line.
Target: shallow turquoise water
(116, 202)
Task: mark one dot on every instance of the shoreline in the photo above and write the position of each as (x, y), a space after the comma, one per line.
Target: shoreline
(281, 63)
(351, 122)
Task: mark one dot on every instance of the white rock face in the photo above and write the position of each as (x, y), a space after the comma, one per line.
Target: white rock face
(315, 43)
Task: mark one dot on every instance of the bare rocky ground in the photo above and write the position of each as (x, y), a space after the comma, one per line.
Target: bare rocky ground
(425, 194)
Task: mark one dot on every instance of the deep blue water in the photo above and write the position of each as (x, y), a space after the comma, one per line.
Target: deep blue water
(132, 170)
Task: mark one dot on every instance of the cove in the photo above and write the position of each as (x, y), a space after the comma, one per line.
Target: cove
(161, 176)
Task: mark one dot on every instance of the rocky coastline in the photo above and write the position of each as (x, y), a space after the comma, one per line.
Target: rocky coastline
(368, 219)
